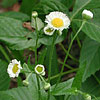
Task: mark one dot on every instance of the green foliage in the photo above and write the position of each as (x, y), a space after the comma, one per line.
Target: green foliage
(79, 76)
(4, 78)
(90, 55)
(5, 96)
(16, 15)
(15, 38)
(8, 3)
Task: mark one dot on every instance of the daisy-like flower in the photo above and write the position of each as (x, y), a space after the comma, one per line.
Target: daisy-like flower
(39, 69)
(57, 20)
(86, 14)
(14, 68)
(48, 30)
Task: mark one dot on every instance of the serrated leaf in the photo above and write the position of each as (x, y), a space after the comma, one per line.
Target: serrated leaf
(4, 78)
(90, 54)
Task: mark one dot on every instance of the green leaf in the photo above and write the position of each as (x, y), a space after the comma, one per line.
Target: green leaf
(54, 64)
(79, 5)
(84, 4)
(42, 56)
(39, 22)
(8, 3)
(20, 93)
(4, 78)
(5, 96)
(63, 88)
(91, 29)
(91, 86)
(78, 78)
(26, 6)
(44, 7)
(14, 34)
(47, 40)
(90, 54)
(16, 15)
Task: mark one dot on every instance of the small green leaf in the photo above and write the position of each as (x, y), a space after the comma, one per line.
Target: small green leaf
(39, 22)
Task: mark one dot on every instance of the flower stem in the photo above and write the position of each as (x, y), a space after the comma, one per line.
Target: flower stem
(68, 52)
(64, 73)
(36, 58)
(66, 65)
(50, 61)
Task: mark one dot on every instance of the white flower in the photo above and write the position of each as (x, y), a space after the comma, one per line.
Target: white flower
(14, 68)
(57, 20)
(48, 30)
(87, 14)
(39, 69)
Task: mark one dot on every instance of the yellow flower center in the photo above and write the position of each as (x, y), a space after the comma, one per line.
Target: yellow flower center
(39, 69)
(57, 22)
(15, 68)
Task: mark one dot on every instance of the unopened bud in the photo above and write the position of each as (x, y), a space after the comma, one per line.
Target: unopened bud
(86, 14)
(47, 86)
(25, 82)
(87, 97)
(34, 14)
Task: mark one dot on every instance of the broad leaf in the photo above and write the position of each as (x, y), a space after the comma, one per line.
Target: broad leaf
(45, 7)
(4, 78)
(5, 96)
(90, 54)
(63, 88)
(14, 34)
(16, 15)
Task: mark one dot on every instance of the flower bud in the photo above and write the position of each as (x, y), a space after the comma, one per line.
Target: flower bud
(25, 82)
(47, 86)
(86, 14)
(87, 97)
(34, 14)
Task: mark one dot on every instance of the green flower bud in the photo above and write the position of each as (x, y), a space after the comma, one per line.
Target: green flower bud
(25, 82)
(47, 86)
(34, 14)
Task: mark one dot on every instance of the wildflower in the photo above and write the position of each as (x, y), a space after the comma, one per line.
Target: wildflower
(47, 86)
(14, 68)
(39, 69)
(86, 14)
(57, 21)
(34, 14)
(48, 30)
